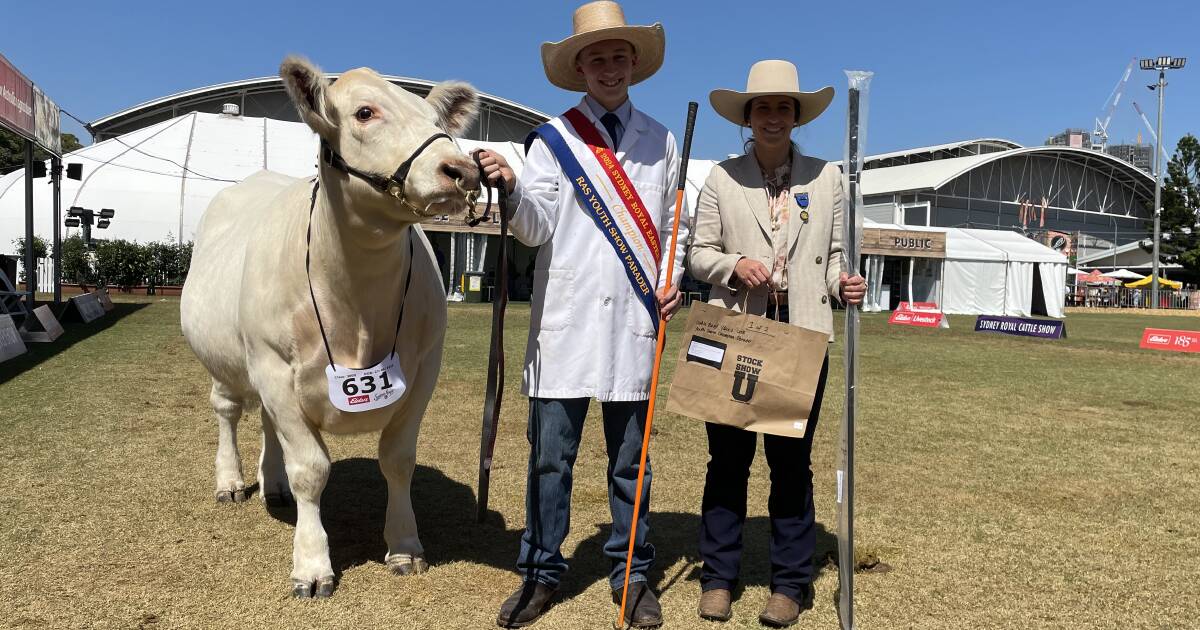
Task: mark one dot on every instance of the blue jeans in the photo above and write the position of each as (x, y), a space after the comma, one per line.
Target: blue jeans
(555, 426)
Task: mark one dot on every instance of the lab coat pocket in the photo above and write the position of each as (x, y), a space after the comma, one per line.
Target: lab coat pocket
(557, 289)
(637, 318)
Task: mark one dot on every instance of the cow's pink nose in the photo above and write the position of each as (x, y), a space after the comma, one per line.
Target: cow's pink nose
(463, 172)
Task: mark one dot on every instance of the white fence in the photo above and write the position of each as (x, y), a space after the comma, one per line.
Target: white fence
(1124, 297)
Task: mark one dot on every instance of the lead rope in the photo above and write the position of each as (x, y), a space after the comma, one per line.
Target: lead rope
(495, 379)
(308, 274)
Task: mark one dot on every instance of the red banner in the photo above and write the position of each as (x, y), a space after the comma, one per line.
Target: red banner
(620, 181)
(16, 100)
(1173, 340)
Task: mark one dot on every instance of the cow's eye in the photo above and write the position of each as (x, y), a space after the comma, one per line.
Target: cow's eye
(364, 113)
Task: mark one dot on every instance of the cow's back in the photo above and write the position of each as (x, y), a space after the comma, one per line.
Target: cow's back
(209, 306)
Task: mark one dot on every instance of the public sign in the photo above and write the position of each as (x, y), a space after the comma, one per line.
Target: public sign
(16, 100)
(1022, 326)
(10, 340)
(88, 306)
(1173, 340)
(925, 314)
(908, 243)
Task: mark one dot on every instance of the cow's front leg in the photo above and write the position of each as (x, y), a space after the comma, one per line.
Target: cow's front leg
(272, 476)
(306, 461)
(397, 460)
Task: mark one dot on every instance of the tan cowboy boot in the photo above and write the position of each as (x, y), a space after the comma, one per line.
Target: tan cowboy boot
(782, 611)
(715, 604)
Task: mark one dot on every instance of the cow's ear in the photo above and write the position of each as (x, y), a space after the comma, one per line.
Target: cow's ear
(456, 104)
(307, 85)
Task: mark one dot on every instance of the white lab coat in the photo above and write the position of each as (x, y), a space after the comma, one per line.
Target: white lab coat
(589, 335)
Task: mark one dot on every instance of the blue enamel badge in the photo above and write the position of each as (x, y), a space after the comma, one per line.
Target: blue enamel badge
(802, 199)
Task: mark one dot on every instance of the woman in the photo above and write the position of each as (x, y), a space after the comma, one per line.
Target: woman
(768, 238)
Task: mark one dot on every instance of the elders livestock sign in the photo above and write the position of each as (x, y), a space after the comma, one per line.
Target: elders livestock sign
(1172, 340)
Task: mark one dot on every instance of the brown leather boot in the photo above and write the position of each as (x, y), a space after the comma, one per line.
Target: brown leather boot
(525, 606)
(715, 604)
(782, 611)
(641, 608)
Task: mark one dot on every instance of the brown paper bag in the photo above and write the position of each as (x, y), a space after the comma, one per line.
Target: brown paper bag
(747, 371)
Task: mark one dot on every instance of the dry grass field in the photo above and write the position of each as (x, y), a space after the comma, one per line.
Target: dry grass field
(1006, 482)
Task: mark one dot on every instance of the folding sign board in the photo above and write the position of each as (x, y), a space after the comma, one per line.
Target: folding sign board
(1172, 340)
(85, 308)
(50, 328)
(105, 301)
(925, 314)
(10, 340)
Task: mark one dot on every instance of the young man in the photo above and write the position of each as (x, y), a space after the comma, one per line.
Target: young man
(602, 220)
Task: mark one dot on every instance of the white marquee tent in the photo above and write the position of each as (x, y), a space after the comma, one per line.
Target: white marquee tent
(159, 179)
(985, 272)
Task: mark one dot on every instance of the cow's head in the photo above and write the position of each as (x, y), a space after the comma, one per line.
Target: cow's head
(375, 126)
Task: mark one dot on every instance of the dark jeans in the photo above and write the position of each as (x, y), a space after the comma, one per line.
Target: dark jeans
(555, 426)
(790, 506)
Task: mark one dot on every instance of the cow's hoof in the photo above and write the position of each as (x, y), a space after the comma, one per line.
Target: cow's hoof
(231, 496)
(282, 499)
(320, 589)
(407, 565)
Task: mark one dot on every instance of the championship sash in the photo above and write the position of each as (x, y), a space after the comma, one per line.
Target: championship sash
(620, 181)
(615, 231)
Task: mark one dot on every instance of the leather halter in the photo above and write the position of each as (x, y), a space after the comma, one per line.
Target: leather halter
(393, 185)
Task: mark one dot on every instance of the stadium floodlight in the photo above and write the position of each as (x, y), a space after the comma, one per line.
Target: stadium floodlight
(103, 223)
(72, 222)
(107, 213)
(1161, 64)
(75, 211)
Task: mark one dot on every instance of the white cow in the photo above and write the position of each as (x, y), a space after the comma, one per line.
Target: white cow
(248, 314)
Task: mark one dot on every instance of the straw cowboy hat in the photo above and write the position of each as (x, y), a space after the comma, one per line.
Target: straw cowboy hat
(769, 78)
(596, 22)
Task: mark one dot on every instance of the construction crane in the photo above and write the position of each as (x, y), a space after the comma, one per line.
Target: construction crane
(1100, 132)
(1150, 128)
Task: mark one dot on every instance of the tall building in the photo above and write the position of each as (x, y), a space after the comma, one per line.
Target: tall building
(1074, 138)
(1139, 155)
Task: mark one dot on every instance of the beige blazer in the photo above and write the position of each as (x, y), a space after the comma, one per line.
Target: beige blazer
(733, 222)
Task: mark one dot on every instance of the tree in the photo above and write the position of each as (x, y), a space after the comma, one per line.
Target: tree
(12, 150)
(41, 249)
(1180, 220)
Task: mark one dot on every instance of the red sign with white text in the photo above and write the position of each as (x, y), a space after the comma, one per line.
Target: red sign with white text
(924, 314)
(16, 100)
(1174, 340)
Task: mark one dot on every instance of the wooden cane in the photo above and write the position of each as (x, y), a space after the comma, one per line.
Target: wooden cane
(658, 350)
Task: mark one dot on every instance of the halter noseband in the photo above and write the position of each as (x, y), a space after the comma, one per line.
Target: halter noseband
(393, 185)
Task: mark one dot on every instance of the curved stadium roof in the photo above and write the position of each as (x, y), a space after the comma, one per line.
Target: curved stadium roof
(1077, 180)
(500, 120)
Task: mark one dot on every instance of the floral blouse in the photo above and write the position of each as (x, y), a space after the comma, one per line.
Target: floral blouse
(778, 189)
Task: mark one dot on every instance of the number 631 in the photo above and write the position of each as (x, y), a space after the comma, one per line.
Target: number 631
(351, 386)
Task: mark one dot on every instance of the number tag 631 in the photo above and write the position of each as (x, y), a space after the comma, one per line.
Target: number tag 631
(369, 388)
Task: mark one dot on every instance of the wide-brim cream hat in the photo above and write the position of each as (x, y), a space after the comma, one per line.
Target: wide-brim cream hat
(597, 22)
(770, 78)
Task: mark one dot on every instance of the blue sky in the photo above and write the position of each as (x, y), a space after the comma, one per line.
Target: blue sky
(943, 70)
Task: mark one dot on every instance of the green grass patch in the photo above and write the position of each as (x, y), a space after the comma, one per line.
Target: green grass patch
(1008, 483)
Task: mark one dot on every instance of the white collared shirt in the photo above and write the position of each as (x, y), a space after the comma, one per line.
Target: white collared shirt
(623, 112)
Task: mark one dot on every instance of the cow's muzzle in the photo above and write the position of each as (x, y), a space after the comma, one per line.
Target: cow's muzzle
(394, 185)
